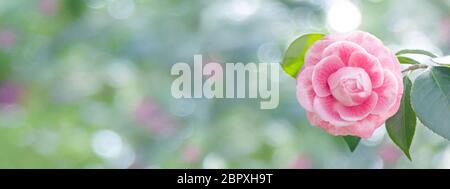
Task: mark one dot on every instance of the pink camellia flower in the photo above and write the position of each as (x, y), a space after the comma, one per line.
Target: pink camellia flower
(350, 84)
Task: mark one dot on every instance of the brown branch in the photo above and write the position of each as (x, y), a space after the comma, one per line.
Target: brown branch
(415, 67)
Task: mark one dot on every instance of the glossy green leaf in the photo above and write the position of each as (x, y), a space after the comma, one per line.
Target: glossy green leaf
(402, 125)
(430, 99)
(294, 57)
(406, 60)
(352, 142)
(416, 51)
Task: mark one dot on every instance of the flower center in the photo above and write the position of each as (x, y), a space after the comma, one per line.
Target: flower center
(351, 86)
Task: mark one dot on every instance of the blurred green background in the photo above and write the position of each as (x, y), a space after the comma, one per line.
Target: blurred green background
(86, 83)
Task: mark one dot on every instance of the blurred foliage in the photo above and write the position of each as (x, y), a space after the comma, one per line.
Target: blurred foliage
(86, 84)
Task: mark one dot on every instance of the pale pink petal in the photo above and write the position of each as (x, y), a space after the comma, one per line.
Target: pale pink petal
(322, 71)
(367, 41)
(325, 107)
(366, 127)
(356, 37)
(373, 46)
(342, 49)
(314, 118)
(314, 53)
(394, 108)
(359, 112)
(305, 91)
(304, 78)
(370, 64)
(389, 61)
(363, 128)
(306, 98)
(387, 93)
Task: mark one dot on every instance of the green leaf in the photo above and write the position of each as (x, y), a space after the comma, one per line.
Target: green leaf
(402, 125)
(294, 57)
(416, 51)
(430, 99)
(352, 142)
(444, 61)
(74, 8)
(406, 60)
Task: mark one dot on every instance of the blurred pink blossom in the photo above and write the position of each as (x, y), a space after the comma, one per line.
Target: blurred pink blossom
(216, 64)
(389, 153)
(7, 38)
(145, 110)
(190, 154)
(48, 7)
(301, 162)
(10, 93)
(445, 29)
(149, 115)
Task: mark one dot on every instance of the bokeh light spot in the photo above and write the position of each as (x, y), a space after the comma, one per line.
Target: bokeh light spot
(343, 16)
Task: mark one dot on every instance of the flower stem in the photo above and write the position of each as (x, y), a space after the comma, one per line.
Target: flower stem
(415, 67)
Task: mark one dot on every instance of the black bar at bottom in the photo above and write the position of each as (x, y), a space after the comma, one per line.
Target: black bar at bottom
(225, 177)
